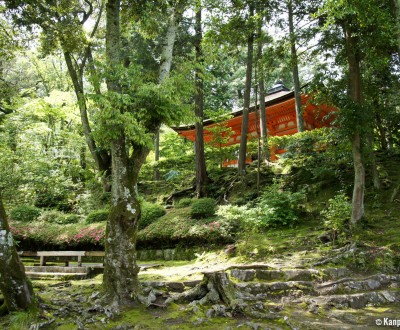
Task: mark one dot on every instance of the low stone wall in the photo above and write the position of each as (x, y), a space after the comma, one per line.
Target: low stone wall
(169, 254)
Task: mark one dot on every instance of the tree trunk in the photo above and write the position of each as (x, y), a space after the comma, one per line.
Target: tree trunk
(382, 132)
(353, 60)
(101, 157)
(120, 280)
(295, 70)
(165, 68)
(261, 90)
(374, 169)
(201, 171)
(16, 289)
(246, 101)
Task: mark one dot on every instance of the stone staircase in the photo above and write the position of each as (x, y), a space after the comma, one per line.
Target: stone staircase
(330, 298)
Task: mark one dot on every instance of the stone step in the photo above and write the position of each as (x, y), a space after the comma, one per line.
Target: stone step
(343, 301)
(351, 285)
(65, 276)
(248, 275)
(171, 286)
(274, 290)
(56, 269)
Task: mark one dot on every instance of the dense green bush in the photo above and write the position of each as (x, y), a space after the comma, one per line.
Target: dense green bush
(323, 152)
(183, 202)
(25, 213)
(203, 208)
(338, 212)
(274, 208)
(57, 217)
(278, 207)
(97, 216)
(150, 213)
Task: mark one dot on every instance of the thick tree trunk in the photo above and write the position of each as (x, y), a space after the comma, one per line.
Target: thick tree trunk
(14, 285)
(201, 171)
(353, 60)
(246, 101)
(165, 68)
(120, 280)
(295, 70)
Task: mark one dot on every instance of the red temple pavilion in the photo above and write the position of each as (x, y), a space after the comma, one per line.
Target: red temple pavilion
(280, 114)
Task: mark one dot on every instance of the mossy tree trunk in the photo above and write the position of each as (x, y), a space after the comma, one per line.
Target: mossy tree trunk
(16, 289)
(295, 70)
(120, 268)
(201, 170)
(246, 99)
(354, 90)
(120, 282)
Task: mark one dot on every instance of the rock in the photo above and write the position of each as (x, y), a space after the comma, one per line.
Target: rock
(230, 249)
(151, 298)
(94, 295)
(191, 284)
(372, 284)
(176, 286)
(243, 275)
(269, 275)
(210, 313)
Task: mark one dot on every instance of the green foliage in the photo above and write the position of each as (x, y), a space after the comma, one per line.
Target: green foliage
(25, 213)
(274, 208)
(150, 213)
(338, 212)
(97, 216)
(177, 228)
(183, 202)
(280, 207)
(57, 217)
(203, 208)
(249, 219)
(321, 152)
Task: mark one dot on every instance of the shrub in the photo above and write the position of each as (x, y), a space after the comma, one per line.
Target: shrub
(177, 229)
(150, 213)
(25, 213)
(279, 207)
(338, 212)
(183, 202)
(55, 236)
(203, 208)
(97, 216)
(54, 216)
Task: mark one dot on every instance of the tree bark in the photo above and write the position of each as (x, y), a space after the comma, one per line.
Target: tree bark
(101, 157)
(353, 59)
(295, 70)
(16, 289)
(201, 170)
(261, 90)
(120, 280)
(246, 101)
(165, 69)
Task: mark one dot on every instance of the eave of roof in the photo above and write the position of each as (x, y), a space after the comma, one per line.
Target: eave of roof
(279, 97)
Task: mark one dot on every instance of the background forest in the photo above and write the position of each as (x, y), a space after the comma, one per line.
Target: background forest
(89, 91)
